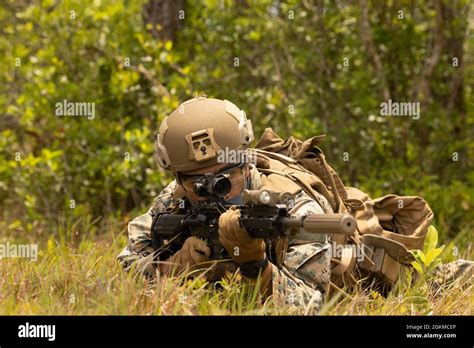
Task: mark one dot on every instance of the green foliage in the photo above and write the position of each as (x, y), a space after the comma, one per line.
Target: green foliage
(430, 256)
(299, 67)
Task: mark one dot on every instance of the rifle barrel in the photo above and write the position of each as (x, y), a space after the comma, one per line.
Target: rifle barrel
(323, 223)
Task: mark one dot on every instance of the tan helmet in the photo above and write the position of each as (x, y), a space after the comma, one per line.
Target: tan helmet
(192, 136)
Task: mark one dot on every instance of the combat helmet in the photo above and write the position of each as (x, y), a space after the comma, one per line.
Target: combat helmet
(192, 136)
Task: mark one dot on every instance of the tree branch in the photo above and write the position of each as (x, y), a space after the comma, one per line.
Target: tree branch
(367, 39)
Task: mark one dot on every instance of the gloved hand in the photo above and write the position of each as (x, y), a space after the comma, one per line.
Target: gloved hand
(193, 252)
(237, 241)
(248, 252)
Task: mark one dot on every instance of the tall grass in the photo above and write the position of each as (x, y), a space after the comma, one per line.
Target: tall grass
(80, 275)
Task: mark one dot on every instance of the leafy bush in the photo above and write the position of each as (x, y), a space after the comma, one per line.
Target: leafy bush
(299, 67)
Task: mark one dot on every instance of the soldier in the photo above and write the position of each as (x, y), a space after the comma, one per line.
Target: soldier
(190, 140)
(203, 140)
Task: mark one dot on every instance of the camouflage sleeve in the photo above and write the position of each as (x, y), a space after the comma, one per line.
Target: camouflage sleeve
(456, 270)
(139, 250)
(303, 281)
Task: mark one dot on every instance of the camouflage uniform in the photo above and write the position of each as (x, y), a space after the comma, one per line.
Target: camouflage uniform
(459, 269)
(302, 281)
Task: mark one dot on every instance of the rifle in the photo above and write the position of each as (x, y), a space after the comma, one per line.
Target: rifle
(264, 214)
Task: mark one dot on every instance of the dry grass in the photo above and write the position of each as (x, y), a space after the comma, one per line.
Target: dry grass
(74, 277)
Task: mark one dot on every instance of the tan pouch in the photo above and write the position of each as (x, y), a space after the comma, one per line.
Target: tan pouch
(393, 224)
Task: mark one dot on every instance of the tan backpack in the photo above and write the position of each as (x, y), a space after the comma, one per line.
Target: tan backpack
(387, 227)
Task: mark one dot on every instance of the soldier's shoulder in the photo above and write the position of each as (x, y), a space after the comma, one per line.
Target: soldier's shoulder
(167, 198)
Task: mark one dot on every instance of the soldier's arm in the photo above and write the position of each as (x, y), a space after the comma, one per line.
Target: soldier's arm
(303, 281)
(138, 254)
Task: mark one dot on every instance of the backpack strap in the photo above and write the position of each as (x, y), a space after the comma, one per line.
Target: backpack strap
(297, 173)
(294, 164)
(347, 262)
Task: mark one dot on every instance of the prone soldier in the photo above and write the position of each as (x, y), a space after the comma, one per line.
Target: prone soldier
(208, 217)
(294, 270)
